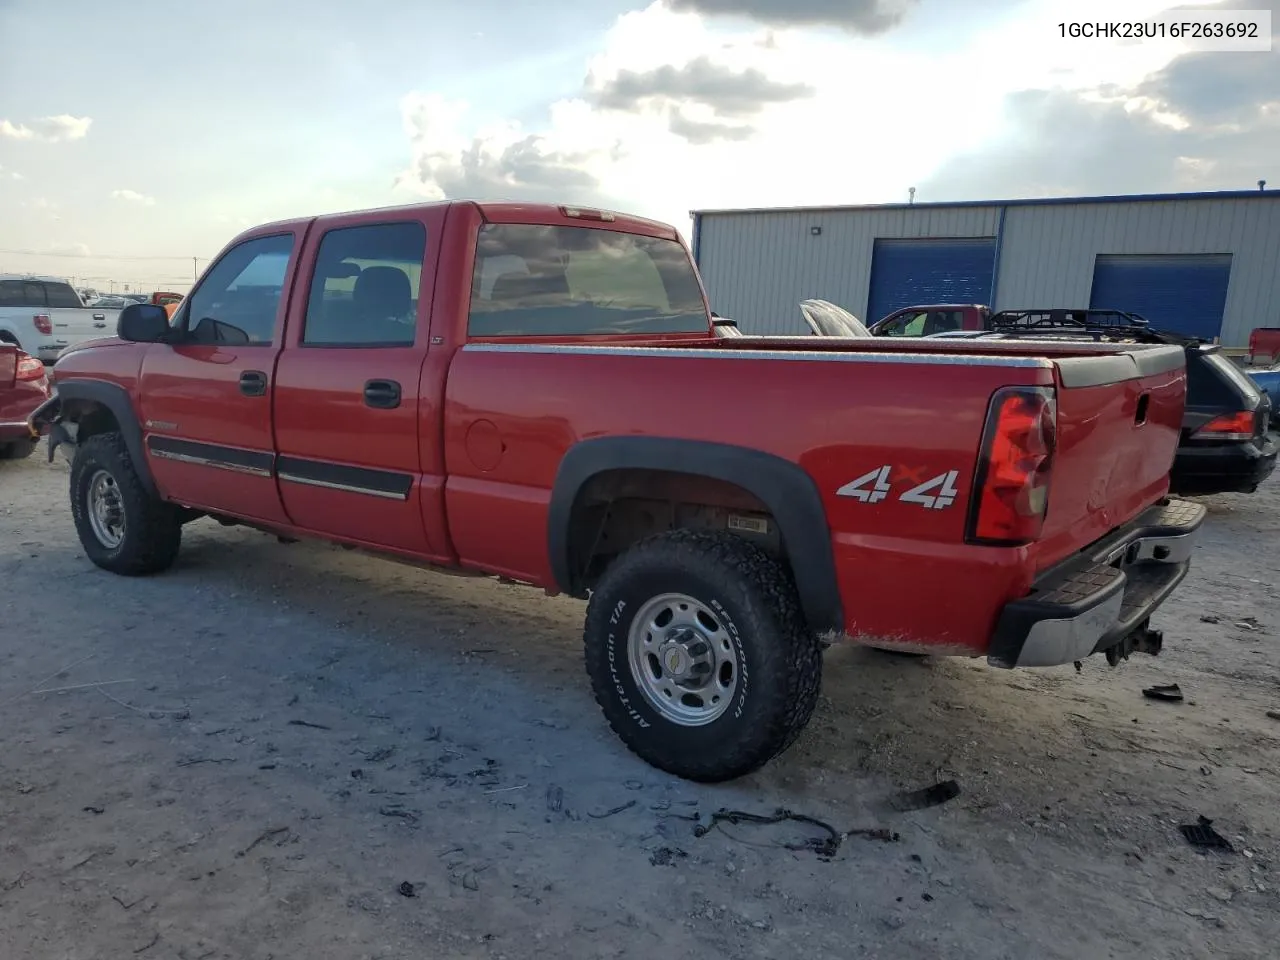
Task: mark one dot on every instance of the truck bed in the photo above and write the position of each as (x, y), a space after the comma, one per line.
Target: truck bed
(1109, 466)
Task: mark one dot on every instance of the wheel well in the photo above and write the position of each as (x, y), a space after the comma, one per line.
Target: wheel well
(616, 508)
(90, 418)
(7, 337)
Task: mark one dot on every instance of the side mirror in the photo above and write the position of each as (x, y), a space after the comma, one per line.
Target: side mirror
(143, 323)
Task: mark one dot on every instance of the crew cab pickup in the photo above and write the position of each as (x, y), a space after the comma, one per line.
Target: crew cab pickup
(536, 392)
(45, 315)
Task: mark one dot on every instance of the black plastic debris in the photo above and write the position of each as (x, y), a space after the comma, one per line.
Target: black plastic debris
(1166, 691)
(406, 889)
(611, 812)
(555, 798)
(1202, 836)
(825, 847)
(932, 796)
(1274, 714)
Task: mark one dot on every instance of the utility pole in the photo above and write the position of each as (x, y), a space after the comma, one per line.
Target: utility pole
(193, 270)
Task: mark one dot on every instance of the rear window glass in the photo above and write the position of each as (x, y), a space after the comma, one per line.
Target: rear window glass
(1213, 380)
(61, 295)
(533, 280)
(1234, 375)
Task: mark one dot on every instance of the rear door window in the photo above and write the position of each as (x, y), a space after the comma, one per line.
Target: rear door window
(533, 280)
(13, 294)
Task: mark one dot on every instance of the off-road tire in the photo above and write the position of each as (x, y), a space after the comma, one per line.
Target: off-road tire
(152, 528)
(756, 600)
(17, 449)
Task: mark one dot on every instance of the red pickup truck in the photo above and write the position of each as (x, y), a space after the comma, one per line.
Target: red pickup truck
(537, 392)
(24, 386)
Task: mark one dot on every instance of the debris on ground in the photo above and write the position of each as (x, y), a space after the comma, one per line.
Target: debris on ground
(1202, 836)
(609, 813)
(409, 815)
(665, 856)
(263, 838)
(932, 796)
(555, 798)
(308, 723)
(406, 889)
(1248, 623)
(825, 847)
(1210, 618)
(1166, 691)
(1274, 714)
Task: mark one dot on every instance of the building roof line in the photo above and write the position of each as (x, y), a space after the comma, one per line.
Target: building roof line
(1015, 202)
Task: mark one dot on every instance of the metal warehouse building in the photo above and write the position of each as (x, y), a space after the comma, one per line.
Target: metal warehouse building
(1206, 264)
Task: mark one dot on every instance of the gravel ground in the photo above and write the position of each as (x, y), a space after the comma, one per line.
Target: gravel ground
(259, 753)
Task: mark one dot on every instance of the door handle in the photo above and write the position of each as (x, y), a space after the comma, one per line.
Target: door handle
(253, 383)
(382, 394)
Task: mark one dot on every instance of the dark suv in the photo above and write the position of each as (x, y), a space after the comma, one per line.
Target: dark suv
(1226, 445)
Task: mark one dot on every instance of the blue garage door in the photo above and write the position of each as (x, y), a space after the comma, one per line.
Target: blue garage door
(1182, 293)
(905, 273)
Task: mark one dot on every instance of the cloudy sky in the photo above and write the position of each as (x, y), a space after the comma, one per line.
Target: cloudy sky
(136, 135)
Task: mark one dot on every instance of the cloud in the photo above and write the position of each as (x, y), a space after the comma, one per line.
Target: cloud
(9, 174)
(1154, 137)
(500, 163)
(727, 92)
(702, 132)
(701, 85)
(57, 129)
(866, 17)
(132, 196)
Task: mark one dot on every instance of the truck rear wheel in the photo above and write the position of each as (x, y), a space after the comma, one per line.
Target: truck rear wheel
(699, 655)
(121, 527)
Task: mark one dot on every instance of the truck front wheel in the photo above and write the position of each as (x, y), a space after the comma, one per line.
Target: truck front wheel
(121, 527)
(699, 655)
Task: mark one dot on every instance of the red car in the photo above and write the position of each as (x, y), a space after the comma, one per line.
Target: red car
(24, 386)
(536, 392)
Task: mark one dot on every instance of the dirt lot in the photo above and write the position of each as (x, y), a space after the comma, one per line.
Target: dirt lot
(247, 757)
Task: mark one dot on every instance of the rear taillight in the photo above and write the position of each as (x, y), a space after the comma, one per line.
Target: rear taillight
(1240, 425)
(29, 368)
(43, 323)
(1011, 489)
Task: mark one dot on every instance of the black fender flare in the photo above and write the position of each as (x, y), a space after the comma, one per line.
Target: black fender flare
(784, 487)
(116, 399)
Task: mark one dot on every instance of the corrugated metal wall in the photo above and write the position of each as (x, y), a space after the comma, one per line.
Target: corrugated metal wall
(757, 266)
(1048, 252)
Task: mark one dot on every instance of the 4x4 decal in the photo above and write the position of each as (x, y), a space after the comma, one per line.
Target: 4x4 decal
(936, 493)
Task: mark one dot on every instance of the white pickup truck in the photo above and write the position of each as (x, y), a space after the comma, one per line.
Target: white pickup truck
(45, 315)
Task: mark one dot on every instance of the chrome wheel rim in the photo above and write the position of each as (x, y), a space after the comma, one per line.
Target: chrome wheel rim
(683, 659)
(106, 510)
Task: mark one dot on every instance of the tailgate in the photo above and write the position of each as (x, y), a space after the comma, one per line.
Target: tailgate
(8, 366)
(1119, 420)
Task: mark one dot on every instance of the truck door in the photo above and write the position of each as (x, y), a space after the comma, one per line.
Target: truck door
(353, 420)
(206, 397)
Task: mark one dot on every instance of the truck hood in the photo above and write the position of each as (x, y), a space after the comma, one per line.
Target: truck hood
(827, 319)
(92, 344)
